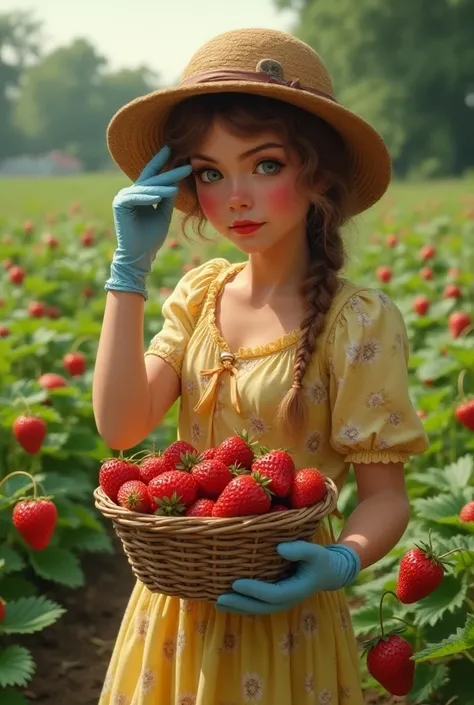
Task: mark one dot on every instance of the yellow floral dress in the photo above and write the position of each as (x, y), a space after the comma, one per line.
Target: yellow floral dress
(177, 652)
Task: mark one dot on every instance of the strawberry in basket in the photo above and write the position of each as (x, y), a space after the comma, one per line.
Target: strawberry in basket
(278, 467)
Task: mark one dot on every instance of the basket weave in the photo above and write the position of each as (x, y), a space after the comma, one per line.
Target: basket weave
(198, 558)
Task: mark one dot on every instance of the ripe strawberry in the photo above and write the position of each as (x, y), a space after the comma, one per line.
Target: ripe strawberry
(50, 380)
(50, 241)
(452, 291)
(134, 495)
(172, 492)
(35, 520)
(236, 450)
(4, 332)
(16, 274)
(457, 322)
(75, 363)
(389, 662)
(53, 312)
(467, 512)
(36, 309)
(384, 274)
(420, 573)
(114, 473)
(212, 476)
(202, 507)
(279, 468)
(153, 466)
(391, 241)
(465, 414)
(2, 609)
(208, 454)
(87, 238)
(30, 432)
(176, 450)
(426, 273)
(309, 487)
(245, 495)
(421, 305)
(278, 508)
(427, 252)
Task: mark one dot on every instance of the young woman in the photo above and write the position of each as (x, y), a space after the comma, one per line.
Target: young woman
(254, 142)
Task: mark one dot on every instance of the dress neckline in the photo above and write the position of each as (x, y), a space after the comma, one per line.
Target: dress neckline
(281, 343)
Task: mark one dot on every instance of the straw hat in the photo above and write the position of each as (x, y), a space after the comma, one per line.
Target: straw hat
(268, 63)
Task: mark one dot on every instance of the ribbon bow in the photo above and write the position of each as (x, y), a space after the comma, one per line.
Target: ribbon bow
(208, 396)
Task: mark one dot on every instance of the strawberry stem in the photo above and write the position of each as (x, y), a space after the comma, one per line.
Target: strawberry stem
(79, 341)
(21, 398)
(21, 472)
(455, 550)
(387, 592)
(461, 376)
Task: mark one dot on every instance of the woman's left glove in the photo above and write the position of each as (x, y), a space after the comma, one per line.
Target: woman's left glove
(319, 568)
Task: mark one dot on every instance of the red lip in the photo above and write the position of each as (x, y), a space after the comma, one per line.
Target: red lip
(245, 227)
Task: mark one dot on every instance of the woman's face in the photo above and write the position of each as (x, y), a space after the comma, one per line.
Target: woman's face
(252, 180)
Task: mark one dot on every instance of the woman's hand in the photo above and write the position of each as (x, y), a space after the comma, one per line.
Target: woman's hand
(142, 215)
(319, 568)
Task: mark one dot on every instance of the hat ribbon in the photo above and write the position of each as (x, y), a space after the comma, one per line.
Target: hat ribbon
(253, 76)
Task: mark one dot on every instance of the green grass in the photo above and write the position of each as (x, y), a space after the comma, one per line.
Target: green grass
(37, 198)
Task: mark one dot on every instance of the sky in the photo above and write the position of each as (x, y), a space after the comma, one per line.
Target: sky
(163, 34)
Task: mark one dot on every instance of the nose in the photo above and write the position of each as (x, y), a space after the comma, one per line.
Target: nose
(239, 199)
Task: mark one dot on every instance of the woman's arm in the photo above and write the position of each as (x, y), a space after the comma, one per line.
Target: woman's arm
(130, 394)
(382, 514)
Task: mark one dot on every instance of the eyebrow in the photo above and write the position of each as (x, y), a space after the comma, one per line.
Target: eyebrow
(244, 155)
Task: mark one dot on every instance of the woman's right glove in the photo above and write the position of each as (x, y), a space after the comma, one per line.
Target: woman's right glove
(141, 228)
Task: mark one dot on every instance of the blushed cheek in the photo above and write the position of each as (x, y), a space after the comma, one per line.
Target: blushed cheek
(209, 204)
(282, 198)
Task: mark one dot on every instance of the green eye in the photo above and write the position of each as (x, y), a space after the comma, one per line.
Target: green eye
(211, 175)
(269, 167)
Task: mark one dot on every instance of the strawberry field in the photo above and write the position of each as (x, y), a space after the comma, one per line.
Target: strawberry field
(66, 598)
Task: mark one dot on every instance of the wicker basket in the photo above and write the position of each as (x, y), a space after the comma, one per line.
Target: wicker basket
(199, 558)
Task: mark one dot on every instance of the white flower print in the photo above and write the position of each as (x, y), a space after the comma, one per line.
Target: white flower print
(317, 392)
(258, 426)
(353, 352)
(382, 444)
(313, 442)
(395, 418)
(344, 692)
(247, 365)
(191, 386)
(229, 642)
(309, 683)
(204, 380)
(289, 642)
(384, 299)
(168, 649)
(181, 641)
(398, 343)
(196, 432)
(187, 699)
(187, 605)
(354, 303)
(219, 407)
(358, 354)
(325, 697)
(350, 433)
(309, 623)
(201, 626)
(364, 319)
(252, 687)
(376, 399)
(148, 679)
(143, 622)
(120, 699)
(344, 619)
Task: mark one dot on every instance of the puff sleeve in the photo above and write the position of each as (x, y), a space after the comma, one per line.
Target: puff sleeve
(373, 418)
(181, 311)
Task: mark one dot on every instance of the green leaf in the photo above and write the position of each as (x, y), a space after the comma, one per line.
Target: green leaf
(457, 643)
(459, 473)
(16, 666)
(78, 486)
(14, 586)
(443, 508)
(86, 539)
(58, 565)
(13, 560)
(449, 596)
(12, 697)
(429, 678)
(30, 614)
(463, 559)
(367, 619)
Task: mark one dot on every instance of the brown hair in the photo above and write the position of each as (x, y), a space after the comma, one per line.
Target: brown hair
(323, 157)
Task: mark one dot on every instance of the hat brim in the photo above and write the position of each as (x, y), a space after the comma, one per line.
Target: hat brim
(134, 134)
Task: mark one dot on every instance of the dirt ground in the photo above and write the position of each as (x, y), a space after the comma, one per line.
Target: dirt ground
(73, 654)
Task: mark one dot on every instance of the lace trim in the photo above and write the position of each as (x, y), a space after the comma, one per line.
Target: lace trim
(274, 346)
(370, 456)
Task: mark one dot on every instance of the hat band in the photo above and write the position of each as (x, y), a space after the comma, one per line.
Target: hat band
(253, 76)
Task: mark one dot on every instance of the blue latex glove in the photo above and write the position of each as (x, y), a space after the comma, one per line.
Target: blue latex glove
(141, 228)
(320, 568)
